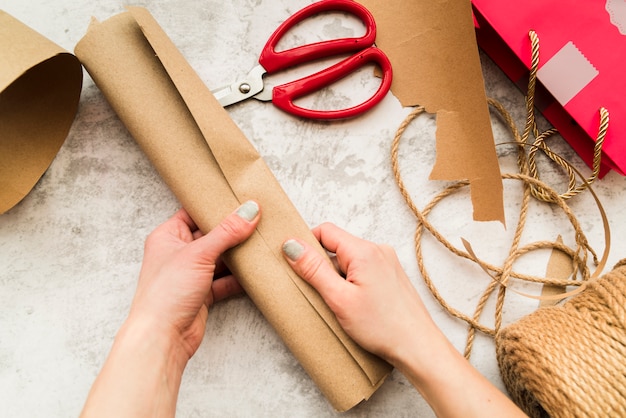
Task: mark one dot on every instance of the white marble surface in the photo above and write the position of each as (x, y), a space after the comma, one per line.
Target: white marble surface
(70, 252)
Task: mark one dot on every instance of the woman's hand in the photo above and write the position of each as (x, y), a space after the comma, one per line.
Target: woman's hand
(379, 308)
(180, 278)
(182, 273)
(376, 303)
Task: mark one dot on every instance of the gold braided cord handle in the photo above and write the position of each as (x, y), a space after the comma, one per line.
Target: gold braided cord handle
(574, 187)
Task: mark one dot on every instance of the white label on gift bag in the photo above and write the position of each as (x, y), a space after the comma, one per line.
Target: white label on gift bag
(567, 73)
(617, 14)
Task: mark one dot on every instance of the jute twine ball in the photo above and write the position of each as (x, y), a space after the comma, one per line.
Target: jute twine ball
(570, 360)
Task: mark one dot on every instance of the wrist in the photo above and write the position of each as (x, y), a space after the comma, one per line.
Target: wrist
(447, 381)
(423, 355)
(146, 337)
(419, 350)
(428, 363)
(415, 341)
(141, 376)
(155, 361)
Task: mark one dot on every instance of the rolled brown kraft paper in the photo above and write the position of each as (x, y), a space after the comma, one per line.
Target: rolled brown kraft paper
(211, 167)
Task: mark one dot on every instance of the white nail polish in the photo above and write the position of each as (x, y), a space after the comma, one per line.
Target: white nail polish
(293, 249)
(248, 210)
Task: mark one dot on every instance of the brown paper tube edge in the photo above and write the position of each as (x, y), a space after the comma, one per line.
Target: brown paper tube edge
(31, 135)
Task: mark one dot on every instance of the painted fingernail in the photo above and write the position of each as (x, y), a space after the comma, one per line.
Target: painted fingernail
(248, 210)
(293, 249)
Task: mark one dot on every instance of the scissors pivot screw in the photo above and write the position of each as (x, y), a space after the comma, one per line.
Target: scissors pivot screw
(245, 88)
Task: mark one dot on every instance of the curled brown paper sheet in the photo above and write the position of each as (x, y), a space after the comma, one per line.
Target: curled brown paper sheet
(432, 48)
(40, 86)
(211, 167)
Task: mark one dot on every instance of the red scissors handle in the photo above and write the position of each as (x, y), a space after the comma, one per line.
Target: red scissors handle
(273, 61)
(284, 95)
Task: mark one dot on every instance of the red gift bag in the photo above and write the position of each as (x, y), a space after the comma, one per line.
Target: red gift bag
(582, 64)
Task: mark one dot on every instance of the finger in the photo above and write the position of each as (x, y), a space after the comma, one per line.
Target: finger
(233, 230)
(197, 234)
(179, 226)
(334, 238)
(314, 269)
(184, 217)
(225, 288)
(335, 262)
(346, 246)
(221, 269)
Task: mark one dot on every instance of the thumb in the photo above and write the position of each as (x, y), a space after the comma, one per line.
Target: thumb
(233, 230)
(315, 269)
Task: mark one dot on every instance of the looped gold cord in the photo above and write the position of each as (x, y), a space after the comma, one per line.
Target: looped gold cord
(532, 187)
(540, 138)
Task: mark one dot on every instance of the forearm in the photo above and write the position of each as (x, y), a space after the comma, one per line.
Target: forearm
(448, 382)
(140, 378)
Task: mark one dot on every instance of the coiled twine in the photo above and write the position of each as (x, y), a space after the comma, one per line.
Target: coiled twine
(570, 360)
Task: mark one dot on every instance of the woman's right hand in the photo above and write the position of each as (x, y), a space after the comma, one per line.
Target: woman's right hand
(376, 304)
(379, 308)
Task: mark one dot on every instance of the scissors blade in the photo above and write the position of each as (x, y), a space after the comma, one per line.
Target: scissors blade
(241, 90)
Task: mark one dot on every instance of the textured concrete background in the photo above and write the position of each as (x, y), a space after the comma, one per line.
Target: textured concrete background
(70, 252)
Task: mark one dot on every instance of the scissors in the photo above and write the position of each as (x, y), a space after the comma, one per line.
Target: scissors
(271, 61)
